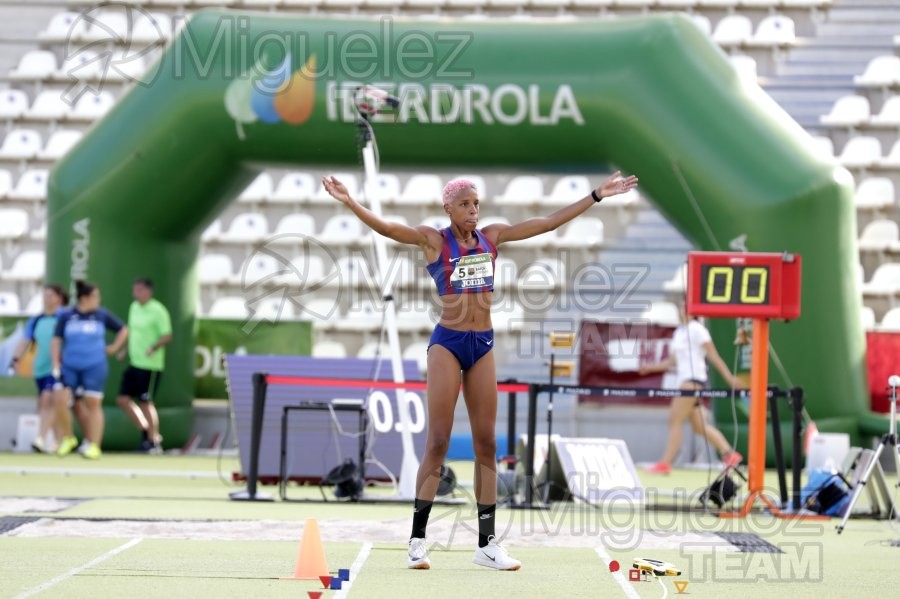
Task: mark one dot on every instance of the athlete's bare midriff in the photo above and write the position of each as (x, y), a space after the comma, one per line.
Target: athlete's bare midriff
(467, 311)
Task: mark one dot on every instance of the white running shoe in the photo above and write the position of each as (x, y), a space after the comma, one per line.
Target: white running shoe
(417, 556)
(493, 555)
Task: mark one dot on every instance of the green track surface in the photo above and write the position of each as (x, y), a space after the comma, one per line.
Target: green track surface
(188, 490)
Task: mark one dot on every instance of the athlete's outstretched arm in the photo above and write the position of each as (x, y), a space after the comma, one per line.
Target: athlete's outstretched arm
(614, 185)
(422, 236)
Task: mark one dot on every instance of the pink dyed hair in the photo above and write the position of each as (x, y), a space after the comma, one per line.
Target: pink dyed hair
(454, 186)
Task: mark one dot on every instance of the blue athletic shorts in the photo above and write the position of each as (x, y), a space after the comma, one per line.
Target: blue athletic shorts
(86, 381)
(46, 383)
(467, 346)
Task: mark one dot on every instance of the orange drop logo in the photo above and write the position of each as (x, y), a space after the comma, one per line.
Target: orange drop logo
(295, 99)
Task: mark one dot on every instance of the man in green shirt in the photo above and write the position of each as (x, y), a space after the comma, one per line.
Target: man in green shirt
(149, 331)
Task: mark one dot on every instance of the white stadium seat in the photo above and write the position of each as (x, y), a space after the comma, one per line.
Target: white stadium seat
(342, 229)
(304, 271)
(891, 320)
(387, 187)
(701, 21)
(885, 280)
(274, 308)
(545, 273)
(352, 271)
(879, 235)
(108, 26)
(522, 190)
(329, 349)
(373, 349)
(212, 232)
(569, 189)
(84, 66)
(506, 272)
(258, 190)
(892, 160)
(5, 183)
(28, 266)
(13, 103)
(35, 65)
(419, 352)
(229, 307)
(152, 28)
(507, 316)
(9, 303)
(363, 315)
(294, 187)
(848, 111)
(59, 144)
(662, 313)
(775, 30)
(214, 269)
(64, 27)
(678, 282)
(733, 30)
(91, 107)
(745, 66)
(248, 227)
(882, 71)
(415, 319)
(260, 269)
(422, 189)
(323, 312)
(35, 304)
(874, 193)
(584, 232)
(822, 146)
(861, 152)
(13, 223)
(21, 144)
(293, 228)
(32, 185)
(48, 106)
(890, 113)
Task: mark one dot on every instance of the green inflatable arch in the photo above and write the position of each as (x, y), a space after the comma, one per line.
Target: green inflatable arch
(134, 196)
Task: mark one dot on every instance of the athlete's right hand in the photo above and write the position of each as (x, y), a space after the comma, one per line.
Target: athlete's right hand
(336, 189)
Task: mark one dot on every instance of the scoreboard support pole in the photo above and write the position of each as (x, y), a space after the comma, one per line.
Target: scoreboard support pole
(756, 446)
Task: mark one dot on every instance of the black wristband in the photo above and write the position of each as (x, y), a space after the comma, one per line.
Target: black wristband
(595, 196)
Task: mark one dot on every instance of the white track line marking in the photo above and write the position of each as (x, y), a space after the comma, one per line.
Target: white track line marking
(665, 589)
(617, 576)
(361, 558)
(66, 575)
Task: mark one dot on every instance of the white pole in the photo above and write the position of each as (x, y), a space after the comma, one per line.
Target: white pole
(409, 467)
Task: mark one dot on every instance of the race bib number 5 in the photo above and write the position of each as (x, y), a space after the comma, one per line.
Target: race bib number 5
(473, 272)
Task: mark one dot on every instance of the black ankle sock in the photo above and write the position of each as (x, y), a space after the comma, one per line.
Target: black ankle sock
(145, 436)
(421, 511)
(485, 523)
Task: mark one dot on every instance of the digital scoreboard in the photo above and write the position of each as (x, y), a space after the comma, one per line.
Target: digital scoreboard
(743, 285)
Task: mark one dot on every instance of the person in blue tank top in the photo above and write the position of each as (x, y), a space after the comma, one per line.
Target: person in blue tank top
(461, 261)
(38, 335)
(79, 354)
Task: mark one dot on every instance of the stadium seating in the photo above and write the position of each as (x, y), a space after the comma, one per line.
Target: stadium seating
(892, 160)
(229, 307)
(64, 27)
(304, 271)
(48, 106)
(891, 320)
(774, 30)
(545, 273)
(248, 227)
(59, 144)
(419, 352)
(13, 104)
(363, 316)
(32, 185)
(882, 71)
(585, 232)
(861, 152)
(293, 228)
(294, 187)
(569, 189)
(329, 349)
(9, 303)
(867, 318)
(387, 187)
(13, 223)
(214, 269)
(523, 190)
(259, 269)
(662, 313)
(422, 190)
(874, 193)
(343, 230)
(373, 349)
(27, 267)
(259, 190)
(348, 179)
(35, 65)
(885, 280)
(352, 272)
(879, 236)
(90, 107)
(889, 116)
(21, 144)
(848, 111)
(733, 30)
(5, 183)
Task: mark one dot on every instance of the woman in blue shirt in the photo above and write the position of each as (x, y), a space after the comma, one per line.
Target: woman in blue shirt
(38, 333)
(79, 353)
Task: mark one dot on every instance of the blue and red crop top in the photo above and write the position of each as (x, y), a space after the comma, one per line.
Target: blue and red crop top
(464, 271)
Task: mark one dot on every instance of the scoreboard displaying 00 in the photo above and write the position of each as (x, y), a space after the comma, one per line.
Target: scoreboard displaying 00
(743, 285)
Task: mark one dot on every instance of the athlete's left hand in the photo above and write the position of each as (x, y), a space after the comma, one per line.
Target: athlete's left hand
(616, 184)
(336, 189)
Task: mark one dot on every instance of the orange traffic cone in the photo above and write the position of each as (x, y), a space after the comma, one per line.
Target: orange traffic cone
(311, 563)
